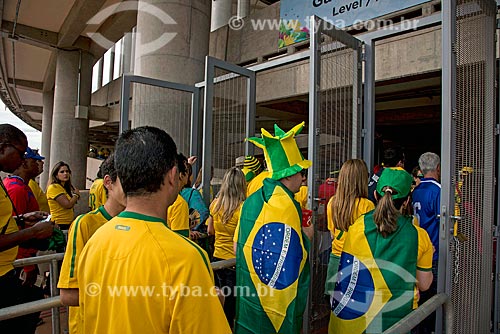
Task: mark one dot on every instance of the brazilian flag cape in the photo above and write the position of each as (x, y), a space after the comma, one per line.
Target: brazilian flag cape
(272, 266)
(376, 280)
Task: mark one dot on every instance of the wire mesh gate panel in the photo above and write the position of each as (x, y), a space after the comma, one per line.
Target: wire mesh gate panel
(229, 118)
(334, 137)
(170, 106)
(469, 161)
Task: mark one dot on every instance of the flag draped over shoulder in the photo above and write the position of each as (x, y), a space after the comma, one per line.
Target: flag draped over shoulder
(376, 280)
(272, 260)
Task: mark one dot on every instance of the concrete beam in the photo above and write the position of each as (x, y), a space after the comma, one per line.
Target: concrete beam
(37, 109)
(98, 113)
(30, 35)
(50, 73)
(27, 84)
(76, 21)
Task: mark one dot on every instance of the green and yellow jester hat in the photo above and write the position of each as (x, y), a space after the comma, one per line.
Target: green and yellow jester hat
(281, 152)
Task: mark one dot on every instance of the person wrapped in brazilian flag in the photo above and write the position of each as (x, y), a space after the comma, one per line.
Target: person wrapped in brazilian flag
(272, 267)
(386, 258)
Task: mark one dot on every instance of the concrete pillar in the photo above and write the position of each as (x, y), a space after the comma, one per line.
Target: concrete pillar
(69, 133)
(48, 105)
(243, 8)
(180, 60)
(221, 13)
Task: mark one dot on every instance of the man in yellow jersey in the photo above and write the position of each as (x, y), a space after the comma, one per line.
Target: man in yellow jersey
(13, 144)
(40, 195)
(135, 274)
(178, 212)
(97, 193)
(80, 232)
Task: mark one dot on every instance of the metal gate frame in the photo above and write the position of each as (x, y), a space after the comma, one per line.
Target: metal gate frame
(211, 64)
(127, 79)
(450, 48)
(317, 28)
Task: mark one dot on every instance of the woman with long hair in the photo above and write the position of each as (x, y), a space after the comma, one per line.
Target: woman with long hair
(62, 195)
(389, 257)
(225, 210)
(349, 202)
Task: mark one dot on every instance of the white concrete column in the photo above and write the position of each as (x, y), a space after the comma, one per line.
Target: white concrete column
(48, 105)
(221, 13)
(180, 60)
(70, 134)
(243, 8)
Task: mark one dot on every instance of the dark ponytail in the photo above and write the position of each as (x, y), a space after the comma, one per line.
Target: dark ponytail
(387, 211)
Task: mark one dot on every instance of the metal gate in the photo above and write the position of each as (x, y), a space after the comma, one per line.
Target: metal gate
(175, 108)
(229, 118)
(334, 137)
(468, 162)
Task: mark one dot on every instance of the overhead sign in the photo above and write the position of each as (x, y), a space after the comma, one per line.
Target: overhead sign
(294, 14)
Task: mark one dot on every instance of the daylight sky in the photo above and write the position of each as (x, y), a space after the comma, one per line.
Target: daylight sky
(34, 136)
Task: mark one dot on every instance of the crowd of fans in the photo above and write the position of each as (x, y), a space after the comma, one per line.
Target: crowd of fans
(148, 230)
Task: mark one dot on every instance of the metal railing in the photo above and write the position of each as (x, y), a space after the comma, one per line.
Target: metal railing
(54, 302)
(418, 315)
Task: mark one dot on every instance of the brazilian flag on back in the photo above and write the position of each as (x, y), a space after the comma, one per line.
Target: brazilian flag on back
(376, 280)
(272, 260)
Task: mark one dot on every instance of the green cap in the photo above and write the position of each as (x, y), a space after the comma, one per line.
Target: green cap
(282, 154)
(396, 178)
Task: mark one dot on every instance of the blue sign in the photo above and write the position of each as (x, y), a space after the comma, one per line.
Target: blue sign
(342, 13)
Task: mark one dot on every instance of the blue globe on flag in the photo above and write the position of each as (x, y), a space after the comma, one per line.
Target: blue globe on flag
(354, 290)
(276, 255)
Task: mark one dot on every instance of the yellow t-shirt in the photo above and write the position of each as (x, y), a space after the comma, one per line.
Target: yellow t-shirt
(178, 216)
(97, 194)
(9, 255)
(224, 233)
(79, 233)
(257, 182)
(40, 196)
(301, 197)
(59, 214)
(362, 206)
(141, 277)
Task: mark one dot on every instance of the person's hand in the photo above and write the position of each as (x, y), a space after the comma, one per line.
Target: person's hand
(35, 216)
(43, 230)
(192, 160)
(193, 235)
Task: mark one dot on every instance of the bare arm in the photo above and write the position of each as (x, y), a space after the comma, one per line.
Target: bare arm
(37, 231)
(69, 297)
(210, 227)
(424, 279)
(65, 203)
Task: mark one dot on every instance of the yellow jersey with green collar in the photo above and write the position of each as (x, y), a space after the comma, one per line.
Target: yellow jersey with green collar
(80, 232)
(138, 276)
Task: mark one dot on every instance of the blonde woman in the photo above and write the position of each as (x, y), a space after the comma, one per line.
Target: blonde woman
(350, 202)
(225, 210)
(61, 195)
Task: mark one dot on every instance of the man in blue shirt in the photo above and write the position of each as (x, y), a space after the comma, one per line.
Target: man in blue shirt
(426, 207)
